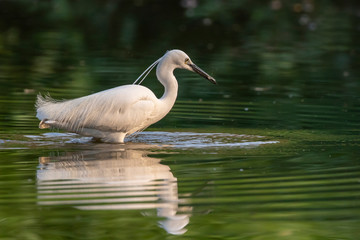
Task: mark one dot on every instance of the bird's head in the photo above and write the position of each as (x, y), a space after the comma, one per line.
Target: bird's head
(183, 61)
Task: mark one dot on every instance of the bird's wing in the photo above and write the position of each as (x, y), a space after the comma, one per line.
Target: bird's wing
(138, 116)
(118, 109)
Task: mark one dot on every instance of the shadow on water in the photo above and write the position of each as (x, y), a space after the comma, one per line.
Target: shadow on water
(119, 178)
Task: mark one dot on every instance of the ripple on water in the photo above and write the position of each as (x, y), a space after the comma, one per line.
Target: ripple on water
(200, 140)
(158, 138)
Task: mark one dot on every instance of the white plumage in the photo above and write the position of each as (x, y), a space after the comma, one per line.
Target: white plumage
(112, 114)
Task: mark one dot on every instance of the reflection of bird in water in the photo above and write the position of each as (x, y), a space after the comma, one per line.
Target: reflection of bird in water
(115, 180)
(113, 114)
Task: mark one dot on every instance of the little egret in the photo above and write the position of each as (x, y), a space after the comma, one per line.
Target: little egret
(113, 114)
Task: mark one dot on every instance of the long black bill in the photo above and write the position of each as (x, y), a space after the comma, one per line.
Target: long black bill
(202, 73)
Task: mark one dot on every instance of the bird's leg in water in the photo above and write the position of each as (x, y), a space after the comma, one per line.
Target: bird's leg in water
(116, 137)
(96, 140)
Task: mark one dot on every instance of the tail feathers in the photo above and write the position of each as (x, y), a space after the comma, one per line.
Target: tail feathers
(43, 100)
(42, 104)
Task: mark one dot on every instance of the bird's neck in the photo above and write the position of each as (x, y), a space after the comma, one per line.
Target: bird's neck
(165, 75)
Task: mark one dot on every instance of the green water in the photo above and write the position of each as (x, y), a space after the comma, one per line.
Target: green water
(271, 152)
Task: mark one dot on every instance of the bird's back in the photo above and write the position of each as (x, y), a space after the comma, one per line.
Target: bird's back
(127, 108)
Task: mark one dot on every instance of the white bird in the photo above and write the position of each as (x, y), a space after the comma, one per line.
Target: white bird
(113, 114)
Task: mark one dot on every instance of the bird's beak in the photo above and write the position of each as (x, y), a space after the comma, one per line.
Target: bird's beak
(202, 73)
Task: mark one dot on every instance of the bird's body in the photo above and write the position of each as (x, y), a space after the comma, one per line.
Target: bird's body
(112, 114)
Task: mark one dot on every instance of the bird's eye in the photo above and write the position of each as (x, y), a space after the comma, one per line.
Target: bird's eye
(187, 61)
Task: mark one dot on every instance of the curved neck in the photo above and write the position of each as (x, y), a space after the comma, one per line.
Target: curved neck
(165, 75)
